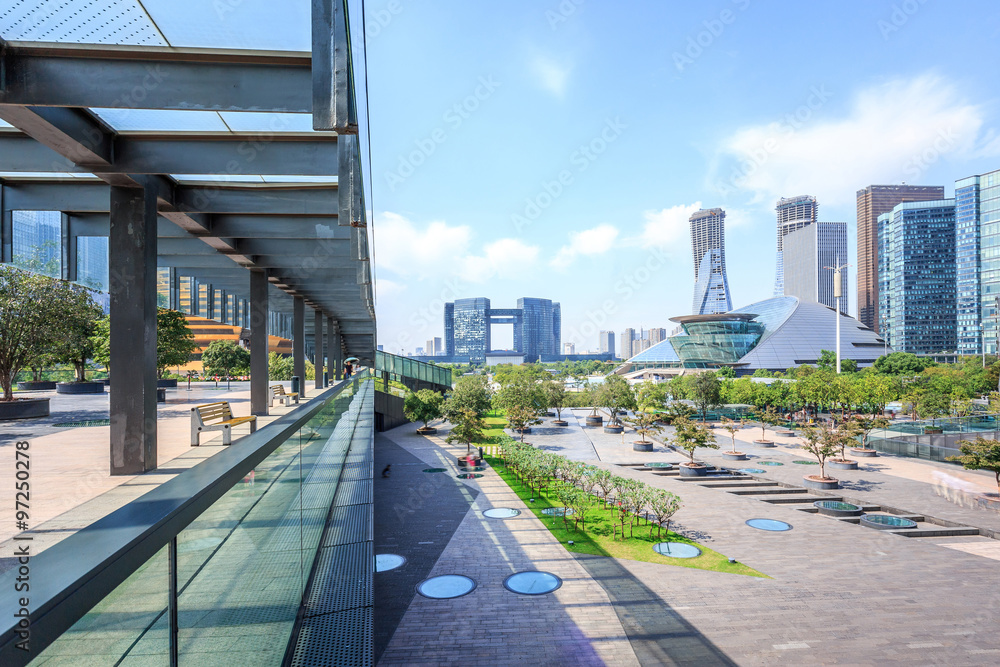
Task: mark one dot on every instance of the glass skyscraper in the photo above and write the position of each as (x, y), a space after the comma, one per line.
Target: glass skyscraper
(917, 276)
(708, 246)
(977, 244)
(792, 213)
(537, 327)
(807, 251)
(472, 328)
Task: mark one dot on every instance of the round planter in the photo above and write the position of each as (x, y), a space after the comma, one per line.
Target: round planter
(864, 453)
(560, 422)
(166, 383)
(430, 430)
(785, 434)
(837, 508)
(764, 443)
(989, 501)
(932, 431)
(106, 381)
(734, 456)
(816, 482)
(36, 386)
(550, 414)
(614, 429)
(842, 465)
(519, 431)
(80, 388)
(642, 446)
(886, 522)
(689, 471)
(463, 461)
(594, 421)
(24, 408)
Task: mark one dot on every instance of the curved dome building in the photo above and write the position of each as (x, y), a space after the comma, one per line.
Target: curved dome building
(774, 334)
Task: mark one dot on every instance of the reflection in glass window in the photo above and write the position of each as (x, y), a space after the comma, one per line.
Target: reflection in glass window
(163, 287)
(186, 304)
(92, 262)
(36, 242)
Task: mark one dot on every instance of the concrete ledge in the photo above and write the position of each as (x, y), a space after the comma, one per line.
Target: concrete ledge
(24, 408)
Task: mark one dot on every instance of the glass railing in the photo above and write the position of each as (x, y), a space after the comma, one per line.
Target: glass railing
(402, 368)
(209, 567)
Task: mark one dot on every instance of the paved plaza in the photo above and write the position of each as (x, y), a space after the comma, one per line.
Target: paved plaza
(837, 593)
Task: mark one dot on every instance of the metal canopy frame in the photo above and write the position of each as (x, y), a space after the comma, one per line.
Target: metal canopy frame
(309, 238)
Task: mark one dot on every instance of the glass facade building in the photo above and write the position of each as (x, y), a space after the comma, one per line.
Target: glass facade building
(472, 329)
(807, 252)
(917, 276)
(969, 333)
(716, 340)
(36, 242)
(708, 247)
(792, 213)
(537, 325)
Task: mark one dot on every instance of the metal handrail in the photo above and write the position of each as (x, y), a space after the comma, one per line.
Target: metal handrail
(69, 578)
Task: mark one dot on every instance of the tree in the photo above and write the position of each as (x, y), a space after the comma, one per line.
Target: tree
(423, 406)
(78, 318)
(726, 372)
(615, 394)
(471, 392)
(521, 399)
(689, 436)
(101, 343)
(732, 428)
(555, 395)
(28, 319)
(902, 363)
(468, 428)
(662, 505)
(652, 395)
(645, 423)
(224, 358)
(705, 392)
(767, 417)
(873, 390)
(821, 442)
(865, 425)
(931, 405)
(174, 341)
(280, 368)
(982, 454)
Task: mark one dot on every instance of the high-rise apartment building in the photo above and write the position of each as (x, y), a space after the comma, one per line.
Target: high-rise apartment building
(792, 213)
(606, 342)
(807, 252)
(569, 348)
(627, 340)
(537, 325)
(657, 335)
(977, 271)
(708, 247)
(433, 347)
(873, 201)
(916, 261)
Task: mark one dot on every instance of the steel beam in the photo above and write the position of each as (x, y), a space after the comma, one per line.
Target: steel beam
(318, 348)
(101, 76)
(259, 398)
(132, 244)
(332, 82)
(76, 135)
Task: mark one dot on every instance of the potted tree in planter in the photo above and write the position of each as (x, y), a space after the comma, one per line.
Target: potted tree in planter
(844, 435)
(644, 423)
(37, 365)
(592, 394)
(467, 427)
(28, 325)
(423, 406)
(865, 426)
(689, 436)
(522, 400)
(555, 398)
(982, 454)
(733, 427)
(706, 392)
(79, 314)
(822, 442)
(768, 416)
(465, 408)
(174, 344)
(616, 395)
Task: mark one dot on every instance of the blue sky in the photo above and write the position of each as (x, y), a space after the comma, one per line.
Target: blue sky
(556, 150)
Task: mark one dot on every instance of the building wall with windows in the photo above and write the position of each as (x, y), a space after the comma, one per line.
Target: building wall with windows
(807, 251)
(472, 328)
(606, 342)
(917, 290)
(792, 213)
(708, 248)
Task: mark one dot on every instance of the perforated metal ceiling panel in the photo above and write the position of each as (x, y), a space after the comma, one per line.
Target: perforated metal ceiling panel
(79, 21)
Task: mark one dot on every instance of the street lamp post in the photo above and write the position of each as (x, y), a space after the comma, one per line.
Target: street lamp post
(837, 293)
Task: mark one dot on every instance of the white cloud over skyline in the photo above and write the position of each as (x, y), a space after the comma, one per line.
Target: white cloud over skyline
(590, 242)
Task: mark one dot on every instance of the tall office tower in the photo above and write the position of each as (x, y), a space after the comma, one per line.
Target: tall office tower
(807, 251)
(873, 201)
(793, 213)
(36, 241)
(541, 327)
(657, 335)
(628, 336)
(433, 347)
(708, 246)
(449, 329)
(977, 272)
(569, 348)
(472, 328)
(606, 342)
(916, 261)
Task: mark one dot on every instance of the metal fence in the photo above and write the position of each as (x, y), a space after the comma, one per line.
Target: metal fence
(207, 568)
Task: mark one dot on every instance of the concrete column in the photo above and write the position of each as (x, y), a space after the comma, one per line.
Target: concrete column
(338, 354)
(328, 350)
(318, 347)
(258, 343)
(299, 342)
(132, 248)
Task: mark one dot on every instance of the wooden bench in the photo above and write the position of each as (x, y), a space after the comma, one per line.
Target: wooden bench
(217, 417)
(278, 392)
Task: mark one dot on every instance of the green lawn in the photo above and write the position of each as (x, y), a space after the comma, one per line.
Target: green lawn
(596, 536)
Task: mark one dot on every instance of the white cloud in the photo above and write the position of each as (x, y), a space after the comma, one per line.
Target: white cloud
(668, 227)
(893, 132)
(388, 288)
(595, 241)
(407, 250)
(504, 258)
(550, 74)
